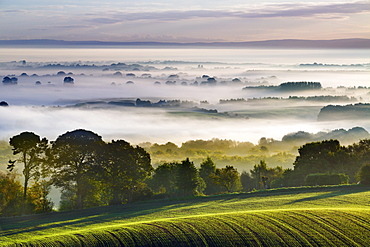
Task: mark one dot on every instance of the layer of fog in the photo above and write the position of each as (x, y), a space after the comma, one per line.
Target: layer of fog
(249, 121)
(153, 125)
(136, 125)
(97, 84)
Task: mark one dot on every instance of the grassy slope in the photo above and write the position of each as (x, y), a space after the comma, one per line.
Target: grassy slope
(302, 216)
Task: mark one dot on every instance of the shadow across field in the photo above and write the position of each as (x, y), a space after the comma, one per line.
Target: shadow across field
(82, 218)
(131, 212)
(330, 192)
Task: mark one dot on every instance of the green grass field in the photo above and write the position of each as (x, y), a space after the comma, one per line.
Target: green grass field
(322, 216)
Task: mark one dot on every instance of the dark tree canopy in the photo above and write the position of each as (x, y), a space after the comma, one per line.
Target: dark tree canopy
(29, 148)
(206, 171)
(187, 178)
(228, 178)
(73, 156)
(247, 181)
(61, 73)
(68, 80)
(4, 103)
(180, 179)
(10, 80)
(317, 156)
(263, 175)
(124, 167)
(326, 179)
(364, 174)
(301, 85)
(360, 152)
(164, 178)
(92, 172)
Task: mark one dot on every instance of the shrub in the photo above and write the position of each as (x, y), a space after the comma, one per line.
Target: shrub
(326, 179)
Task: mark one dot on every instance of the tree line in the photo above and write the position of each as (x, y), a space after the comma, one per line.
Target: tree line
(91, 172)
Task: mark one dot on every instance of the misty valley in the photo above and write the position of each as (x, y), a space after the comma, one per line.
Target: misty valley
(133, 136)
(211, 94)
(236, 112)
(198, 123)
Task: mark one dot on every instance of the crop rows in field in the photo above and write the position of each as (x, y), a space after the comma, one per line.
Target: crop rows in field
(311, 227)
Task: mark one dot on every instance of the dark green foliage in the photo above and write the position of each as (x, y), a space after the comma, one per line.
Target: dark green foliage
(123, 169)
(206, 171)
(263, 176)
(164, 178)
(359, 153)
(68, 200)
(330, 157)
(30, 150)
(326, 179)
(317, 156)
(228, 178)
(288, 179)
(177, 179)
(187, 180)
(94, 173)
(72, 157)
(141, 192)
(247, 181)
(364, 174)
(320, 157)
(95, 194)
(327, 157)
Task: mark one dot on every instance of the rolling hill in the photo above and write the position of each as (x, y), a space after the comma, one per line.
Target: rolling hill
(309, 216)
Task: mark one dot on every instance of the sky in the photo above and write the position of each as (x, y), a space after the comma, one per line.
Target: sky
(185, 21)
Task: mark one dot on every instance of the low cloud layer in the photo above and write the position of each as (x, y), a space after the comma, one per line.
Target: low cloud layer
(245, 121)
(138, 125)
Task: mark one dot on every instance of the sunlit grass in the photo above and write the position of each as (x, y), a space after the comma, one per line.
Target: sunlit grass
(304, 215)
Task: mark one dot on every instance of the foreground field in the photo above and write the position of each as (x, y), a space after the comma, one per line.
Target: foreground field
(330, 216)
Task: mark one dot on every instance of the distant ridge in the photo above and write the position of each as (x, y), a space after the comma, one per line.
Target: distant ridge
(282, 44)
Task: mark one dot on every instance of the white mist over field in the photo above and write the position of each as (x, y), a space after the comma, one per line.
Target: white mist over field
(144, 125)
(51, 108)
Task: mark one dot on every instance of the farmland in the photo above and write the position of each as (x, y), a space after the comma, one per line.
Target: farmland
(308, 216)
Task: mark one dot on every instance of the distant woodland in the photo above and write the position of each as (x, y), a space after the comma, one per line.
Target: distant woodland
(339, 112)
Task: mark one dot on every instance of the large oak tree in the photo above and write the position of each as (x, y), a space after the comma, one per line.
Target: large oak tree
(73, 157)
